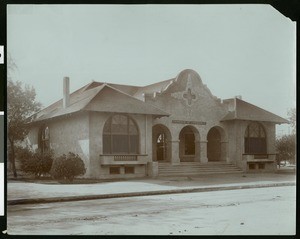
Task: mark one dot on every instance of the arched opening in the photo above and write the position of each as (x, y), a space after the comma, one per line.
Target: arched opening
(255, 139)
(161, 137)
(120, 135)
(188, 148)
(214, 149)
(44, 139)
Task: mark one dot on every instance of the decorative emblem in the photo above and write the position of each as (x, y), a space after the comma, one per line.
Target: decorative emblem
(186, 95)
(189, 96)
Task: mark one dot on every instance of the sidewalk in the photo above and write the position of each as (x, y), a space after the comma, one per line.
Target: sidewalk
(25, 193)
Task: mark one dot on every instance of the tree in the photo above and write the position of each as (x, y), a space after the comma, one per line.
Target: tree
(286, 148)
(21, 104)
(286, 145)
(292, 118)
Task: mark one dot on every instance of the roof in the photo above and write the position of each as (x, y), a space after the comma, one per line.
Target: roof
(108, 97)
(149, 89)
(246, 111)
(84, 99)
(114, 100)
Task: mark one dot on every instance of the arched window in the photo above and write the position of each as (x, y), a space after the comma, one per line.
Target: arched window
(120, 136)
(255, 139)
(44, 139)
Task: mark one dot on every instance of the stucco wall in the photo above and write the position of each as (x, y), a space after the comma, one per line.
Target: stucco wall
(67, 134)
(97, 121)
(237, 130)
(203, 108)
(32, 138)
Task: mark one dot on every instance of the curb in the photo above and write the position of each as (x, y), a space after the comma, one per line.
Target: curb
(144, 193)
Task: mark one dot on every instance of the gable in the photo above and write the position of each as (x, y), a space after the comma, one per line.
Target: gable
(186, 97)
(246, 111)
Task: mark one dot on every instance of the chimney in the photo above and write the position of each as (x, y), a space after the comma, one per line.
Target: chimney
(66, 92)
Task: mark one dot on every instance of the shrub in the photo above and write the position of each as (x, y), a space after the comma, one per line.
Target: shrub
(45, 161)
(286, 149)
(35, 163)
(66, 167)
(25, 156)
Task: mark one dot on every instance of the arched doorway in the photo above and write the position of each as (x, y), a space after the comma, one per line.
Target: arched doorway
(161, 144)
(188, 148)
(216, 149)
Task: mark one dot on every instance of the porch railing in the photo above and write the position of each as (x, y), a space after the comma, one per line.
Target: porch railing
(125, 158)
(117, 159)
(259, 157)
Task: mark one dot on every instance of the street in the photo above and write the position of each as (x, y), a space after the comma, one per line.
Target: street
(258, 211)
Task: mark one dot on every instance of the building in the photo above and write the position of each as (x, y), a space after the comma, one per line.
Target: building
(177, 124)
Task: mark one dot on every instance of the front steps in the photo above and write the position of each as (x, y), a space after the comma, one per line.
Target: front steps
(196, 168)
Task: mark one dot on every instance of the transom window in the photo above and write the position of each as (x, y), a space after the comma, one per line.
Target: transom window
(43, 139)
(255, 139)
(120, 135)
(161, 139)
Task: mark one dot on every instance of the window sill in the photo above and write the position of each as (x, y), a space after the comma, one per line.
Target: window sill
(124, 159)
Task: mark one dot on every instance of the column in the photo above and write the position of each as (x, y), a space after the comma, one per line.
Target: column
(224, 157)
(175, 160)
(203, 151)
(197, 151)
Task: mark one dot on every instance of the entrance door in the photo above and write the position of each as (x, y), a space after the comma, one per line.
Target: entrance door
(161, 147)
(214, 145)
(161, 143)
(187, 145)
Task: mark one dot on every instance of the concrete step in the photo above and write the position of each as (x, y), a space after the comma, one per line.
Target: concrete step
(195, 174)
(194, 168)
(199, 170)
(197, 166)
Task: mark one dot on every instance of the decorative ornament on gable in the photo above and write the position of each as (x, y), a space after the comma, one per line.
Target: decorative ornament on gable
(187, 94)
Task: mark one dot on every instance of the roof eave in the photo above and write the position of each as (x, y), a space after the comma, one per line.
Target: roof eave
(245, 119)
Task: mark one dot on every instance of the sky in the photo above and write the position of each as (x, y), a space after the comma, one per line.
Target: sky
(247, 50)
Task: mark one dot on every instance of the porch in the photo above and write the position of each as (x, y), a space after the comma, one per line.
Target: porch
(123, 165)
(259, 162)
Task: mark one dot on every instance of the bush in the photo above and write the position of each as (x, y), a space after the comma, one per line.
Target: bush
(286, 149)
(45, 161)
(22, 156)
(35, 163)
(66, 167)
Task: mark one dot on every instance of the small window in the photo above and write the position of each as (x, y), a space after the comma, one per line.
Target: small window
(252, 166)
(261, 166)
(44, 139)
(129, 170)
(114, 170)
